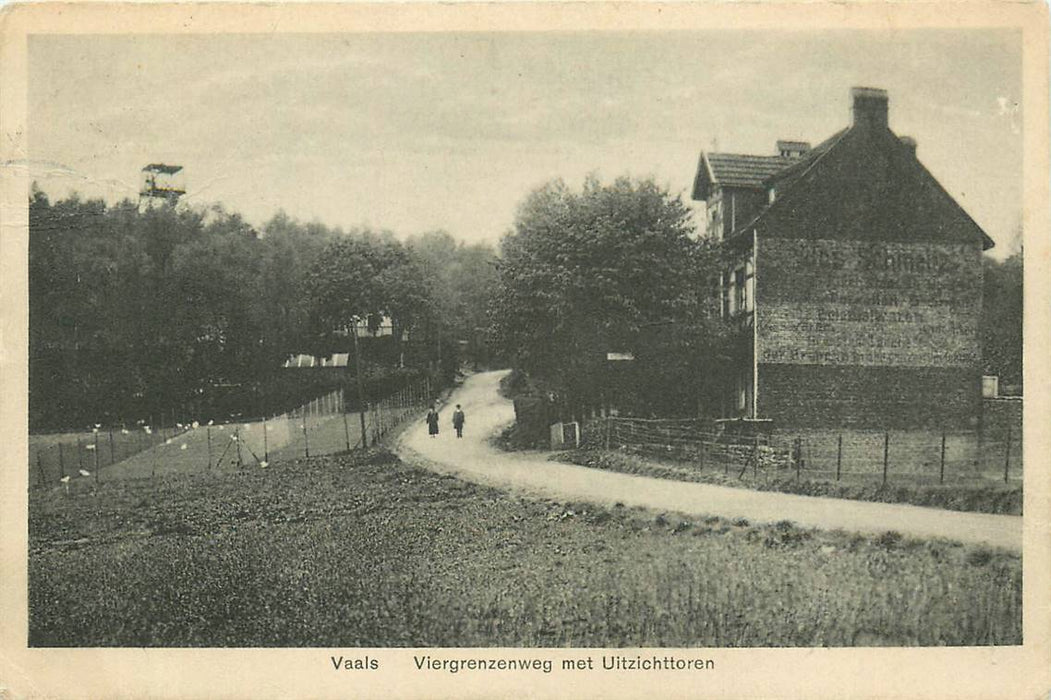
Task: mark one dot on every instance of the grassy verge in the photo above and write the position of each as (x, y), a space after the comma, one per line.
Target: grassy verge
(982, 498)
(362, 550)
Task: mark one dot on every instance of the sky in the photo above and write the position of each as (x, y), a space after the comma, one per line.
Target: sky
(417, 132)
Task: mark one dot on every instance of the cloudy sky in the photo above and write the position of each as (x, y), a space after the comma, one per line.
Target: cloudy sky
(414, 132)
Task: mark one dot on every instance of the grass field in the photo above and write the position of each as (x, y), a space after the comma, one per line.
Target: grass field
(362, 550)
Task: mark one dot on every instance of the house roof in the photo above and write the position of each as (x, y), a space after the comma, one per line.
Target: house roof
(162, 168)
(735, 170)
(856, 182)
(797, 166)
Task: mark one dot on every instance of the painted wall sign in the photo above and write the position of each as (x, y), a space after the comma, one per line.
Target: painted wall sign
(864, 303)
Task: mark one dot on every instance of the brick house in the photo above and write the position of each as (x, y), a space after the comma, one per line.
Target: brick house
(855, 278)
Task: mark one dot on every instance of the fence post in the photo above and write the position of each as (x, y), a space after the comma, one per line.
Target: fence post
(1007, 454)
(209, 431)
(362, 409)
(839, 455)
(112, 457)
(306, 440)
(755, 457)
(886, 453)
(237, 439)
(61, 461)
(799, 460)
(96, 456)
(80, 453)
(979, 458)
(941, 469)
(376, 427)
(266, 445)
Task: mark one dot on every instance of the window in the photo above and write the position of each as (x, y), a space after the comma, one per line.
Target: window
(749, 286)
(724, 293)
(740, 289)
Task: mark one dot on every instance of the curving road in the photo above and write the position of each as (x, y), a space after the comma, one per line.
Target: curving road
(530, 473)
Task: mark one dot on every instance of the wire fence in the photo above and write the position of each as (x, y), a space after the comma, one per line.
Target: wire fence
(326, 425)
(914, 456)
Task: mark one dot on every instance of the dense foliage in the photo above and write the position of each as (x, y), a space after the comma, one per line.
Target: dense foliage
(613, 268)
(1001, 324)
(137, 313)
(460, 278)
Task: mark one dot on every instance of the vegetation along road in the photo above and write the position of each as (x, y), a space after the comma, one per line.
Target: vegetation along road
(475, 459)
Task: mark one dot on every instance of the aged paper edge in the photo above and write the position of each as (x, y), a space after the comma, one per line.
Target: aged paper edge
(1015, 672)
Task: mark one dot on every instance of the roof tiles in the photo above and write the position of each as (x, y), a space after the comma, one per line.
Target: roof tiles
(739, 170)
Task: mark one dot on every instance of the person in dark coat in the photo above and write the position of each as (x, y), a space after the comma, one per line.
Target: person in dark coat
(432, 421)
(458, 421)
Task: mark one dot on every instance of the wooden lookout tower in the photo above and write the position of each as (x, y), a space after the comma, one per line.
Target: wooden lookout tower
(161, 184)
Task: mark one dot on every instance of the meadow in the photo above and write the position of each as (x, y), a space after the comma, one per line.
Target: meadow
(363, 550)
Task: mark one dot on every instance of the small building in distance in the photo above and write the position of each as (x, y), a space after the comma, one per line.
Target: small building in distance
(855, 278)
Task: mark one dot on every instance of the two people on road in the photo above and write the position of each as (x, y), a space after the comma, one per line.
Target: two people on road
(432, 421)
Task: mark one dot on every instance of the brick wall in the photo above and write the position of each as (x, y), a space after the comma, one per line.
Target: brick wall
(878, 303)
(875, 398)
(869, 334)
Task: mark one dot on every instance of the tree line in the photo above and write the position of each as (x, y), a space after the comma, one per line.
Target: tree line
(617, 271)
(1001, 321)
(133, 313)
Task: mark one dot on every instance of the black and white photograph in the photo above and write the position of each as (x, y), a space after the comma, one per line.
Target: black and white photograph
(555, 358)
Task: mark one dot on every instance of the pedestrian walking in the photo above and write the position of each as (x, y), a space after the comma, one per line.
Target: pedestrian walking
(458, 421)
(432, 421)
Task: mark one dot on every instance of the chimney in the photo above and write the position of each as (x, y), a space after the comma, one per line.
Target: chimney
(909, 143)
(870, 107)
(792, 149)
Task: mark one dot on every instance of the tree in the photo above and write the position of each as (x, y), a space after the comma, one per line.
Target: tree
(289, 252)
(368, 276)
(587, 273)
(461, 279)
(1001, 320)
(132, 312)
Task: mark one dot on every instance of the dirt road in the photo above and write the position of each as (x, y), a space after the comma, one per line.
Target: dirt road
(473, 459)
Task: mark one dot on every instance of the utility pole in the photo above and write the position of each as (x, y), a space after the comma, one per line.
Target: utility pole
(361, 382)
